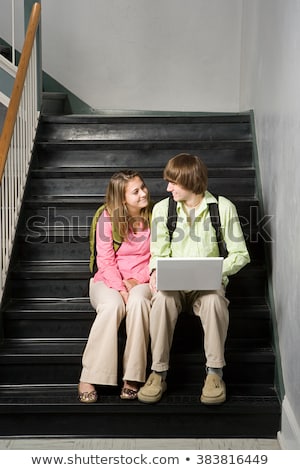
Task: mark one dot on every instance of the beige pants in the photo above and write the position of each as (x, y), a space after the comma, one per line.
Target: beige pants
(210, 306)
(100, 357)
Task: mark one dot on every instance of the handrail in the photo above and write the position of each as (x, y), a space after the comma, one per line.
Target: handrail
(12, 110)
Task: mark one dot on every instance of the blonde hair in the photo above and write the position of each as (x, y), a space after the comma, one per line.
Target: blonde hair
(189, 171)
(116, 207)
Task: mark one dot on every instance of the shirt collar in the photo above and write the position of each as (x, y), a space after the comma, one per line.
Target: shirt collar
(208, 199)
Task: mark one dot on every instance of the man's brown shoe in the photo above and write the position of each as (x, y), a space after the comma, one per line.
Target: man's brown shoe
(214, 390)
(153, 389)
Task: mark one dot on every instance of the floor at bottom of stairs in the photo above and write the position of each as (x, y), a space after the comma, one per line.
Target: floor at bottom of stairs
(144, 444)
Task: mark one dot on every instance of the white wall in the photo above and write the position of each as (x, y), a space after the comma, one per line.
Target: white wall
(270, 85)
(145, 54)
(169, 55)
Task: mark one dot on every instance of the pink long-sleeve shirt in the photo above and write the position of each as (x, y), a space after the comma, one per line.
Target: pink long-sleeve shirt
(130, 261)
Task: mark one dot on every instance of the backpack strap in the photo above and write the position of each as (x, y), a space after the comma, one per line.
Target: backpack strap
(117, 242)
(215, 221)
(172, 217)
(92, 239)
(214, 218)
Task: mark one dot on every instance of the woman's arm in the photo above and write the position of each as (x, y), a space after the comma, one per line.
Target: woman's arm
(106, 255)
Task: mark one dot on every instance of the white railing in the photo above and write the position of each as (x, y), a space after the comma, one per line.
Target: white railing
(11, 70)
(16, 143)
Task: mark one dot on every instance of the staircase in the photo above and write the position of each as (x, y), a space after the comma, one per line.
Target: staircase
(46, 315)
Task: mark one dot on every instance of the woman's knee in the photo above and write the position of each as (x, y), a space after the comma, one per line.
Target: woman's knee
(138, 306)
(139, 294)
(113, 307)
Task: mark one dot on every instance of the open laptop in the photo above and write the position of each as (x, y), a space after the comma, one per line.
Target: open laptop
(189, 273)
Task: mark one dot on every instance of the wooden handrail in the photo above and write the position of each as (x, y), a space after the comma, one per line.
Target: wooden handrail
(12, 110)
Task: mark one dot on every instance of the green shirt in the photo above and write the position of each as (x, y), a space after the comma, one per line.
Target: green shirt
(195, 236)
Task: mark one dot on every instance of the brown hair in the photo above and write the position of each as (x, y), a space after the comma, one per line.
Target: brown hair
(187, 170)
(115, 197)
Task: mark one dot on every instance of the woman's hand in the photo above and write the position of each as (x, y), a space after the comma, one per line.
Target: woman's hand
(130, 283)
(124, 294)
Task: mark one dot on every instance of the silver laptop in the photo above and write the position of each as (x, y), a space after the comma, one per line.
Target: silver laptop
(189, 273)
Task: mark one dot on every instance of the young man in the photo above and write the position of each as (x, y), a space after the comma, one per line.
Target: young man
(194, 236)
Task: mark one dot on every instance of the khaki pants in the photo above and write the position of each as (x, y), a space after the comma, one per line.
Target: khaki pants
(210, 306)
(100, 357)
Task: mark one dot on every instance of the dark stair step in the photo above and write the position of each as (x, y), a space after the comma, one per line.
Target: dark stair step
(213, 118)
(31, 279)
(236, 183)
(43, 244)
(54, 236)
(59, 362)
(29, 318)
(248, 207)
(42, 411)
(207, 128)
(142, 154)
(151, 172)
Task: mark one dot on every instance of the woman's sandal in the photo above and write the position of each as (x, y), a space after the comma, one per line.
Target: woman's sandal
(128, 393)
(88, 397)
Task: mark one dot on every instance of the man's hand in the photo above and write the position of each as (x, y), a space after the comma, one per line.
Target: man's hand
(152, 281)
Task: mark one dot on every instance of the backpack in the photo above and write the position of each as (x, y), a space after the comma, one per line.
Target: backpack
(214, 218)
(117, 240)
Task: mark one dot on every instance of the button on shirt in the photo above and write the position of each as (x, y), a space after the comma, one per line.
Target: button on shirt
(195, 236)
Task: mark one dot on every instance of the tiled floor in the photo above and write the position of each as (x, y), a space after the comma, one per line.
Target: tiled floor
(145, 444)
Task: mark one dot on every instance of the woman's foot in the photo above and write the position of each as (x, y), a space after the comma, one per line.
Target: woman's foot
(130, 390)
(87, 393)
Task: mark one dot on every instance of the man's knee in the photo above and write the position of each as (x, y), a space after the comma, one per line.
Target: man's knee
(165, 297)
(211, 302)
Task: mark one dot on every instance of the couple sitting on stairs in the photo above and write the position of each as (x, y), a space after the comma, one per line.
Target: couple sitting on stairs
(124, 285)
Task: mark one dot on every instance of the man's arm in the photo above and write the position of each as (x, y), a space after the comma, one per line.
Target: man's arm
(238, 255)
(160, 241)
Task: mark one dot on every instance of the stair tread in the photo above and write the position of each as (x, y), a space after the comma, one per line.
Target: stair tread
(57, 267)
(62, 228)
(10, 402)
(96, 140)
(180, 117)
(170, 128)
(83, 305)
(55, 172)
(34, 306)
(92, 199)
(73, 347)
(142, 154)
(52, 391)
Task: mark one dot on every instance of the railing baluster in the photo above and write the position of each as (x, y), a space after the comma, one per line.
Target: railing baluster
(16, 147)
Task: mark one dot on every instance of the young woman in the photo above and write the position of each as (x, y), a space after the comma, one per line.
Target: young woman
(119, 289)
